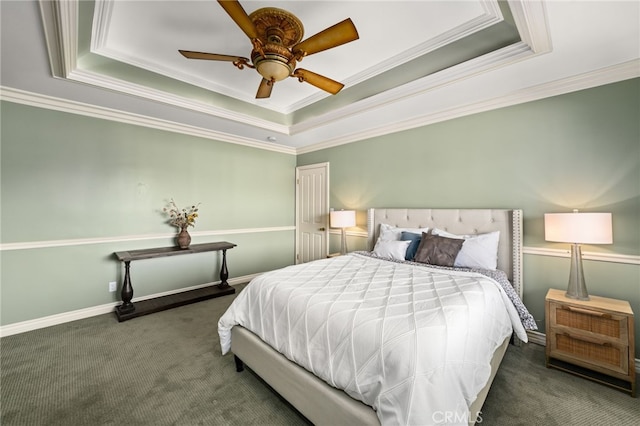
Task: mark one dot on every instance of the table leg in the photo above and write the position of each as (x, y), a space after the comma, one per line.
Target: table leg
(127, 292)
(224, 272)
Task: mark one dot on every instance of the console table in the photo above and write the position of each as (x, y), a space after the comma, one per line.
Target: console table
(128, 310)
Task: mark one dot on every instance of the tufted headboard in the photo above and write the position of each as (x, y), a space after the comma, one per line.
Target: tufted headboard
(462, 221)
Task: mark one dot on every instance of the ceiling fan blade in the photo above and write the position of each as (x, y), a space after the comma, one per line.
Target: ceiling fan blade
(240, 17)
(341, 33)
(264, 90)
(320, 81)
(212, 56)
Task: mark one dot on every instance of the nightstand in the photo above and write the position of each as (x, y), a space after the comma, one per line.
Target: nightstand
(593, 339)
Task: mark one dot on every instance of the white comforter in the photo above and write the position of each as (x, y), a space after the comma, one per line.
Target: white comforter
(413, 342)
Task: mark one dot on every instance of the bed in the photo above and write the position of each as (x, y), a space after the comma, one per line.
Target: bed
(320, 388)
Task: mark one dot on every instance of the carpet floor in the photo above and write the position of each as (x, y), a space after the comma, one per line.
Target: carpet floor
(166, 369)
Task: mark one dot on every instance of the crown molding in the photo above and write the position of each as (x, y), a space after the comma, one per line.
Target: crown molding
(49, 102)
(531, 21)
(107, 82)
(596, 78)
(608, 75)
(59, 20)
(102, 14)
(504, 56)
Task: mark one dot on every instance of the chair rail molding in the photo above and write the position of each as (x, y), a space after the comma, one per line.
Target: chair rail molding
(106, 240)
(586, 255)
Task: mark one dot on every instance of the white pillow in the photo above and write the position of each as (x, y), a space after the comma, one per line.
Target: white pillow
(391, 249)
(392, 233)
(478, 251)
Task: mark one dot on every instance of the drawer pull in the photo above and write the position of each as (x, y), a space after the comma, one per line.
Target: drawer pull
(586, 311)
(586, 339)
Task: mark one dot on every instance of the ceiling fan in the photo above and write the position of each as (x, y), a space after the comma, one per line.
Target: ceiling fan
(276, 36)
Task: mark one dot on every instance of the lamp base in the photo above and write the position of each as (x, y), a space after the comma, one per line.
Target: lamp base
(576, 289)
(343, 242)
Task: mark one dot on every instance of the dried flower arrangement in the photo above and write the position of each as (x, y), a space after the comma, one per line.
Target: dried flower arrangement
(181, 218)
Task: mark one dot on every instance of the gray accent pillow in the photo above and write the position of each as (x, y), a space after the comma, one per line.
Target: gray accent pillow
(437, 250)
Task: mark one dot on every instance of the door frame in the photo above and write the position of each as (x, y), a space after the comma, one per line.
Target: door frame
(326, 195)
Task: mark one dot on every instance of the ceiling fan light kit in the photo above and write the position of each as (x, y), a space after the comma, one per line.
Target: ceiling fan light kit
(276, 36)
(276, 64)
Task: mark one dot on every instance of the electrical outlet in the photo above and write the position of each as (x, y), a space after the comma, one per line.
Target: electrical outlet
(112, 286)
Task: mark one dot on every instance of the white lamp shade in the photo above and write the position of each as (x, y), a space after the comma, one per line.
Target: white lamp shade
(579, 228)
(342, 218)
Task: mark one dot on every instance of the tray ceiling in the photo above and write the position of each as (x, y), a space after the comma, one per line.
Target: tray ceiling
(148, 37)
(415, 62)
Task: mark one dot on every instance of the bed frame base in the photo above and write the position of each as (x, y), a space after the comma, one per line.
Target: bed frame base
(312, 397)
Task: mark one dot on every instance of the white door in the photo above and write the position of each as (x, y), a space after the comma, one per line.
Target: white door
(312, 212)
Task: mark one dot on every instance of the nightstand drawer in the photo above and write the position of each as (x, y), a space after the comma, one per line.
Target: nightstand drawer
(590, 323)
(597, 354)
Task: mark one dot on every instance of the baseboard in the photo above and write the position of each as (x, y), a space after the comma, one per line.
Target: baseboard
(541, 339)
(48, 321)
(537, 338)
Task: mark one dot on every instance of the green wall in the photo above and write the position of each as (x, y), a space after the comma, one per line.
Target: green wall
(580, 150)
(71, 178)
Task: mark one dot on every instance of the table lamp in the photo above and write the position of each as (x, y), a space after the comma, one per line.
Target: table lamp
(578, 228)
(342, 219)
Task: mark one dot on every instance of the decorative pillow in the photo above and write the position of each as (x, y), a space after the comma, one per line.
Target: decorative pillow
(391, 249)
(437, 250)
(413, 246)
(478, 251)
(392, 233)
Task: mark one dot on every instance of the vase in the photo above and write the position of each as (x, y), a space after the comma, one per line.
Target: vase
(183, 239)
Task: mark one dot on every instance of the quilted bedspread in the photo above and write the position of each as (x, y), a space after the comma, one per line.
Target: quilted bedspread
(412, 341)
